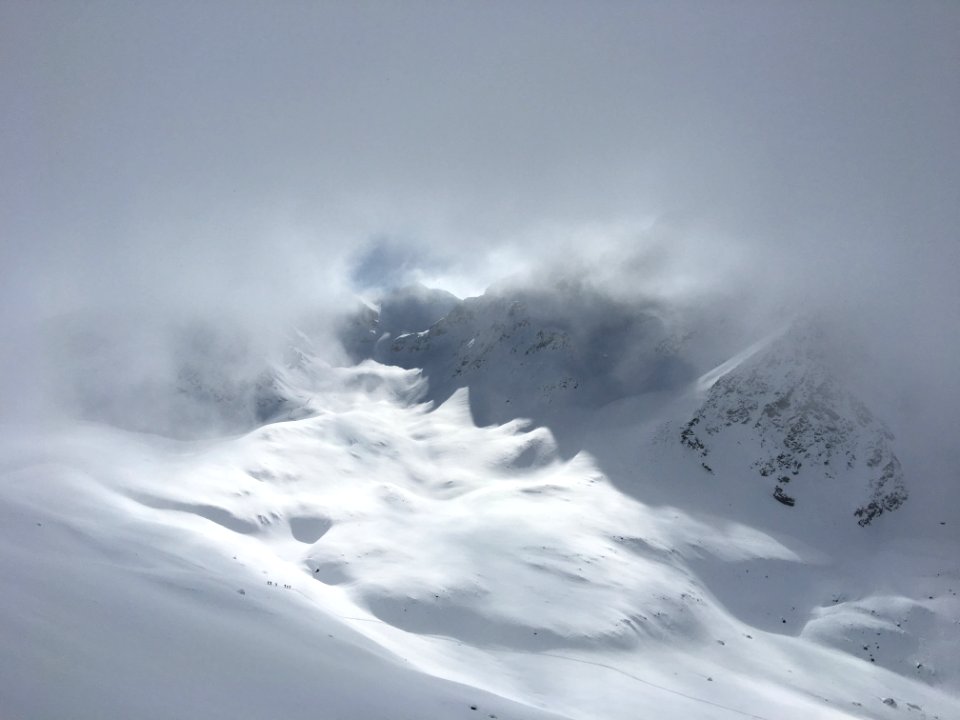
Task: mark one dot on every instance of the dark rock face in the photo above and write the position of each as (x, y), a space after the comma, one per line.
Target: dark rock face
(887, 493)
(781, 496)
(804, 420)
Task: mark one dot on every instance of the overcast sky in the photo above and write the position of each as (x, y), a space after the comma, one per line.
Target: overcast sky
(246, 156)
(186, 150)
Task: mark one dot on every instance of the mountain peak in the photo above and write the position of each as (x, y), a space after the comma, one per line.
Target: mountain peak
(803, 425)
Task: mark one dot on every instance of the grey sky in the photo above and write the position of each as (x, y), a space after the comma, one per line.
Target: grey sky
(241, 156)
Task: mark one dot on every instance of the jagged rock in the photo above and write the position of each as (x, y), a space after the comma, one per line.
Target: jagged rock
(782, 497)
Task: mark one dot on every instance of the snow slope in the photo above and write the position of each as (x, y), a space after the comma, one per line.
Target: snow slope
(385, 559)
(799, 420)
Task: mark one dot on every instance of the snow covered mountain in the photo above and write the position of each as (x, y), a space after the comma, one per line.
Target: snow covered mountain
(551, 356)
(503, 513)
(805, 427)
(543, 353)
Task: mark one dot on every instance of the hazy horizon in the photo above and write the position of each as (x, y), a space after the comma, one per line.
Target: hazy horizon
(254, 163)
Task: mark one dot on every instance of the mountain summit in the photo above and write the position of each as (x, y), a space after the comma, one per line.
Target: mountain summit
(555, 356)
(803, 425)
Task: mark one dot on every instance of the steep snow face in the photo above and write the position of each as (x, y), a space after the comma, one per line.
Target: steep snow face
(439, 527)
(799, 427)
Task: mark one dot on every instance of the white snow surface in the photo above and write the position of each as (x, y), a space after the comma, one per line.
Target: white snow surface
(383, 558)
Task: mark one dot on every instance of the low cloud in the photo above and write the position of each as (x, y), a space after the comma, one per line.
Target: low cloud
(234, 162)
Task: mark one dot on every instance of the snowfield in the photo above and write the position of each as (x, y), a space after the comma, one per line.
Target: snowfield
(384, 557)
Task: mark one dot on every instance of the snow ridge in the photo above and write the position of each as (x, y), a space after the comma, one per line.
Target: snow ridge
(803, 421)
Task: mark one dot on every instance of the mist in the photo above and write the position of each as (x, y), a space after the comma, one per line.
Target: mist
(256, 166)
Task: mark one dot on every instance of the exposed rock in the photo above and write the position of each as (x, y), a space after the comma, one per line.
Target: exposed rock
(804, 420)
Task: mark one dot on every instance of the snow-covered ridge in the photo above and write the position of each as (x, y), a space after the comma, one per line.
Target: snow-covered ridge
(380, 557)
(554, 355)
(802, 425)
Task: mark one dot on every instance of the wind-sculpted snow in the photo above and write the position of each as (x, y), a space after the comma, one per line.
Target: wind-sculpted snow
(505, 528)
(554, 356)
(381, 558)
(479, 547)
(802, 425)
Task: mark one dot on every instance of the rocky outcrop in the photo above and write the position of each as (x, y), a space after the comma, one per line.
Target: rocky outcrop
(804, 421)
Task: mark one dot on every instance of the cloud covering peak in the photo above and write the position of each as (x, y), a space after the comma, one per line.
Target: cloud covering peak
(244, 159)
